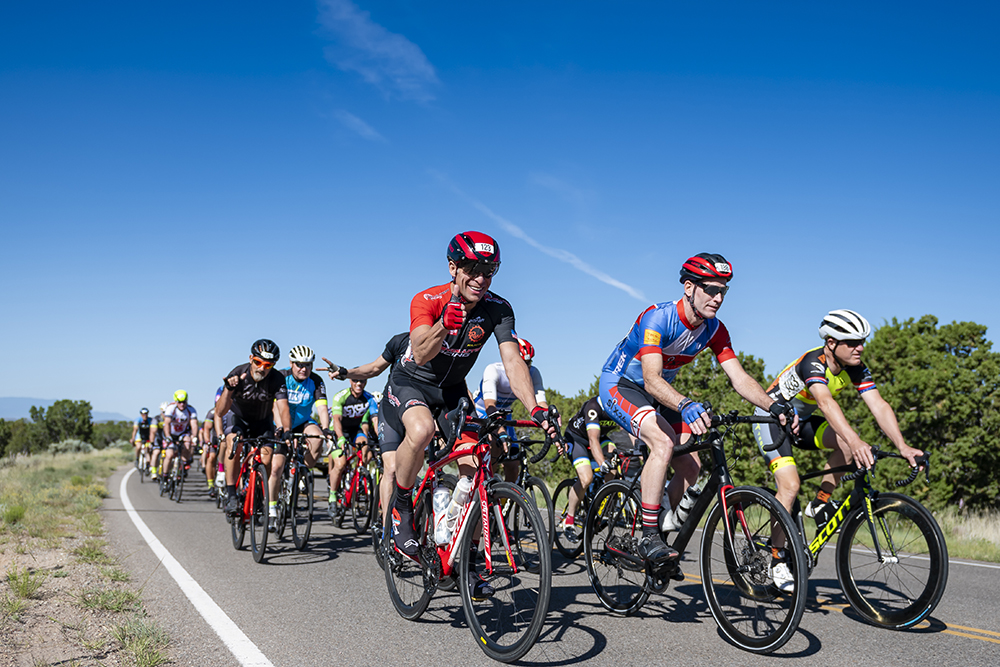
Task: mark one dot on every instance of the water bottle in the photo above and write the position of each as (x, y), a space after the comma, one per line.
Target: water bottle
(674, 518)
(442, 499)
(458, 500)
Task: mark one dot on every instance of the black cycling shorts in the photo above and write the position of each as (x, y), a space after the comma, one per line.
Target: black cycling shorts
(403, 393)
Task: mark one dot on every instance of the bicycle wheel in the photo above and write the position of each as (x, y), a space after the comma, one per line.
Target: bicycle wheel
(611, 543)
(507, 624)
(302, 508)
(140, 466)
(361, 502)
(178, 481)
(751, 612)
(907, 585)
(238, 526)
(538, 494)
(258, 513)
(567, 546)
(409, 588)
(283, 508)
(378, 545)
(172, 482)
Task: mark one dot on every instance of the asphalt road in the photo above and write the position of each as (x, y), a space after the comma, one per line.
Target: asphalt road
(328, 605)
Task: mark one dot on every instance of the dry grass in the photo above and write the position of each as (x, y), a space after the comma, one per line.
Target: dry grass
(975, 535)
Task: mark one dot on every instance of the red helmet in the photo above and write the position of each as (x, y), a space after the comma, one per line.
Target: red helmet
(526, 348)
(706, 266)
(474, 247)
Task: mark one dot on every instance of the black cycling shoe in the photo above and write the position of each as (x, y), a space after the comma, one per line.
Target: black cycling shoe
(404, 537)
(655, 550)
(232, 506)
(479, 588)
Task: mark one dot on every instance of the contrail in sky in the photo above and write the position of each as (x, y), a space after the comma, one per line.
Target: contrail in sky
(561, 255)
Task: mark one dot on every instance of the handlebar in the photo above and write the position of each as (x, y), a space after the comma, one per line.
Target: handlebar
(259, 441)
(732, 418)
(923, 460)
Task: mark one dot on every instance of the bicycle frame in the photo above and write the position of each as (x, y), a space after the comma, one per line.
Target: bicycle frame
(248, 463)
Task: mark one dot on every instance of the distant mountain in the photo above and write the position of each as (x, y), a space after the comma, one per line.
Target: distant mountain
(18, 407)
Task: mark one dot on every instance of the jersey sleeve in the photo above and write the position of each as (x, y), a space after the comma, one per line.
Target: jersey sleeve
(491, 376)
(320, 394)
(721, 345)
(337, 404)
(427, 306)
(372, 406)
(812, 368)
(504, 328)
(651, 327)
(278, 385)
(861, 377)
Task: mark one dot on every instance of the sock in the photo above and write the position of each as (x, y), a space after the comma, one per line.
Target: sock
(570, 520)
(823, 496)
(231, 490)
(649, 519)
(404, 499)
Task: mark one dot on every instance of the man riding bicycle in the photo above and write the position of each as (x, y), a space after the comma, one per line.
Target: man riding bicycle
(351, 412)
(636, 390)
(180, 426)
(251, 390)
(306, 391)
(157, 436)
(140, 431)
(811, 384)
(449, 324)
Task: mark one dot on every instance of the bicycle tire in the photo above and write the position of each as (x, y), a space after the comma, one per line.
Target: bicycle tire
(378, 535)
(302, 508)
(538, 493)
(894, 595)
(238, 527)
(361, 503)
(283, 507)
(560, 502)
(258, 513)
(139, 466)
(611, 537)
(172, 482)
(507, 624)
(750, 611)
(179, 482)
(405, 578)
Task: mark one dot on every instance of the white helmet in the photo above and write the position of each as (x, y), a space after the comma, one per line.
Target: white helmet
(844, 325)
(164, 406)
(301, 354)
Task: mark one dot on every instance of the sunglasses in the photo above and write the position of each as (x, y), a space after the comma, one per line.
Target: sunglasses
(853, 343)
(712, 290)
(260, 363)
(488, 269)
(305, 365)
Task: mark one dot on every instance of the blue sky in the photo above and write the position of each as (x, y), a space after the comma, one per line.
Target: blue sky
(179, 179)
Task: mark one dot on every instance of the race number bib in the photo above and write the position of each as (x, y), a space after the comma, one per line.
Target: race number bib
(790, 384)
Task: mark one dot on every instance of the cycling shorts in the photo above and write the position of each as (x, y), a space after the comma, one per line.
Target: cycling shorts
(176, 440)
(403, 393)
(231, 423)
(628, 405)
(811, 432)
(356, 437)
(579, 453)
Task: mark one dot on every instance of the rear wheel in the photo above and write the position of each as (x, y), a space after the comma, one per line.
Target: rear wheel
(405, 578)
(302, 508)
(565, 542)
(750, 610)
(258, 512)
(507, 624)
(361, 502)
(538, 494)
(611, 537)
(907, 585)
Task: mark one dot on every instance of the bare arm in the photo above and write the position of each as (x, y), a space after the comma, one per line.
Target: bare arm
(284, 414)
(886, 418)
(425, 341)
(860, 449)
(594, 436)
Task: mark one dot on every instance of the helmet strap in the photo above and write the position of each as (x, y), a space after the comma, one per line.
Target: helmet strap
(690, 300)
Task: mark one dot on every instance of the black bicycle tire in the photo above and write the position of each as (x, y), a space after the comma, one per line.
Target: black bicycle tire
(729, 579)
(889, 577)
(521, 536)
(258, 514)
(548, 518)
(238, 528)
(301, 530)
(568, 549)
(361, 503)
(396, 563)
(613, 507)
(179, 481)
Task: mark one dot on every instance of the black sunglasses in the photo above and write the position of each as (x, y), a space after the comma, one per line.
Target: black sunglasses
(712, 290)
(488, 269)
(853, 343)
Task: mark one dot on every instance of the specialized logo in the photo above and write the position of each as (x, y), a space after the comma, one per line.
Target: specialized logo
(650, 337)
(476, 334)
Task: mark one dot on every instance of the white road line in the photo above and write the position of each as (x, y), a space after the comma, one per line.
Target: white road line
(242, 648)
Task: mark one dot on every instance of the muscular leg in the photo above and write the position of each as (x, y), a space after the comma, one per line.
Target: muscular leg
(314, 445)
(419, 426)
(586, 475)
(686, 468)
(660, 438)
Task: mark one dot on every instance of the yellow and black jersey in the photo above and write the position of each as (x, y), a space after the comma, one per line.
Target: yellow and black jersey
(794, 380)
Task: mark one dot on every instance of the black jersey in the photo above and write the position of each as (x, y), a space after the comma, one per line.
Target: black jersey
(590, 414)
(252, 400)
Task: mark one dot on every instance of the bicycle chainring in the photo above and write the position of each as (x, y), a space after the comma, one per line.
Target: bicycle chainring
(430, 564)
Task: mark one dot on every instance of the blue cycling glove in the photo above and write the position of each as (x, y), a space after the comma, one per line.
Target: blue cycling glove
(690, 410)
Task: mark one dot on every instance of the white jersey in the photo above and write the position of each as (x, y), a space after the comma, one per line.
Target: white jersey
(496, 386)
(180, 419)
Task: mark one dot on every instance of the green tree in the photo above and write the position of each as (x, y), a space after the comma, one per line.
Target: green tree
(105, 433)
(944, 385)
(64, 420)
(26, 437)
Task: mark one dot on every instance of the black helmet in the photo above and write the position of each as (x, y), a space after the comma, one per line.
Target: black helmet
(266, 349)
(706, 266)
(474, 247)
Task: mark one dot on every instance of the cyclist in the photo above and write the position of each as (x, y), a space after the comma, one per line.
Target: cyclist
(495, 394)
(351, 410)
(306, 391)
(587, 443)
(636, 390)
(140, 431)
(210, 448)
(394, 350)
(449, 324)
(180, 426)
(812, 383)
(251, 390)
(156, 430)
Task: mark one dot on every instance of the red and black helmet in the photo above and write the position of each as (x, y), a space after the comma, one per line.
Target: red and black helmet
(474, 247)
(527, 349)
(706, 266)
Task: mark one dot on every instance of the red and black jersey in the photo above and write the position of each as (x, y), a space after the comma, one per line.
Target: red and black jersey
(490, 315)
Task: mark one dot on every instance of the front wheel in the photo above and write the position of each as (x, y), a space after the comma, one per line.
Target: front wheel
(611, 537)
(906, 586)
(736, 572)
(538, 494)
(569, 541)
(302, 508)
(507, 623)
(178, 482)
(409, 589)
(258, 512)
(361, 502)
